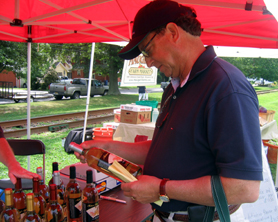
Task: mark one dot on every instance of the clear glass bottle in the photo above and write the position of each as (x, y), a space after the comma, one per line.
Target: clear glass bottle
(43, 188)
(10, 214)
(100, 160)
(54, 211)
(19, 198)
(73, 198)
(39, 201)
(90, 206)
(60, 193)
(31, 215)
(55, 167)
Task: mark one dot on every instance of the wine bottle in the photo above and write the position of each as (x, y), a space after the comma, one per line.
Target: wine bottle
(54, 211)
(19, 198)
(39, 201)
(10, 214)
(55, 167)
(31, 215)
(101, 160)
(60, 193)
(73, 197)
(90, 206)
(43, 188)
(2, 206)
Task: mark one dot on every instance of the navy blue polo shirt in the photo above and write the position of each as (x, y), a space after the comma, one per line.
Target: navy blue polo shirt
(209, 126)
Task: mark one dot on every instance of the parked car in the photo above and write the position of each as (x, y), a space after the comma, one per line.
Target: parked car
(77, 88)
(163, 85)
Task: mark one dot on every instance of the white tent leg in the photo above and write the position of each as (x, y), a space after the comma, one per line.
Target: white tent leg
(89, 90)
(28, 95)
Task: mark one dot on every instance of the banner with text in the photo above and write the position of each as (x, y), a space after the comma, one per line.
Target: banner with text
(137, 73)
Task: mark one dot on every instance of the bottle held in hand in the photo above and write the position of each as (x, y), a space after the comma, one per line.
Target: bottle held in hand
(43, 188)
(73, 198)
(31, 215)
(54, 211)
(90, 206)
(60, 193)
(10, 214)
(101, 160)
(19, 198)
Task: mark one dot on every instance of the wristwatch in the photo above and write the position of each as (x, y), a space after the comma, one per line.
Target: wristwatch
(162, 191)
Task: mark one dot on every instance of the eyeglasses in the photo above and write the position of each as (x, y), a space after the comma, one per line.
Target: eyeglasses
(144, 52)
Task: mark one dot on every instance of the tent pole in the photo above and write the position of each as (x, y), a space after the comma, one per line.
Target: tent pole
(89, 90)
(28, 95)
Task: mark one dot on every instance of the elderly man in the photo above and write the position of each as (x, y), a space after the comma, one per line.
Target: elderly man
(208, 122)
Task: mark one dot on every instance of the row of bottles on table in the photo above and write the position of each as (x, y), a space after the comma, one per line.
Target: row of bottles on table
(64, 204)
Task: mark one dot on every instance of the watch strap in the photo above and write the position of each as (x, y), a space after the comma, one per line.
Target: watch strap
(162, 187)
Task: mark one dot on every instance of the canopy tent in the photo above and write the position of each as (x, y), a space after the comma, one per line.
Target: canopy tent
(245, 23)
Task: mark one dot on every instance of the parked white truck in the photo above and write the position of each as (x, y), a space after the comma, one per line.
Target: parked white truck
(77, 88)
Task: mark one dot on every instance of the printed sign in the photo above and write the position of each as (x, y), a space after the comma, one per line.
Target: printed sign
(137, 73)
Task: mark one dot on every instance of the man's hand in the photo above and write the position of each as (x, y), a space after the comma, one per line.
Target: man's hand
(145, 190)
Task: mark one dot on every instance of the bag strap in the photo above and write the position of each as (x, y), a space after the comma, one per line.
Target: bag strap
(220, 200)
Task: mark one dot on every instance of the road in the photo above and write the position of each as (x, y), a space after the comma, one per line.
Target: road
(122, 90)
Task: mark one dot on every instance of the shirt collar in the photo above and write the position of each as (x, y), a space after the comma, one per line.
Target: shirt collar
(176, 82)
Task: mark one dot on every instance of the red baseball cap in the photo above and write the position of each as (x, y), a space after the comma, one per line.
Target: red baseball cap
(150, 17)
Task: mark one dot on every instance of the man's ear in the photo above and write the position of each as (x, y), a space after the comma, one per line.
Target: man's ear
(173, 30)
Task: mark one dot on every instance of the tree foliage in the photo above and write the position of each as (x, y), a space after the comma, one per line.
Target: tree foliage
(266, 68)
(106, 60)
(13, 57)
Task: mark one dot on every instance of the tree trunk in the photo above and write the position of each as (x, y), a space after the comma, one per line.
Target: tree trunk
(113, 84)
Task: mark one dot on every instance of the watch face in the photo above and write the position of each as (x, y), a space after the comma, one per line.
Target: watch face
(164, 198)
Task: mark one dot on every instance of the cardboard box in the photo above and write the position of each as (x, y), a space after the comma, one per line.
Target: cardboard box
(135, 117)
(102, 181)
(117, 115)
(135, 114)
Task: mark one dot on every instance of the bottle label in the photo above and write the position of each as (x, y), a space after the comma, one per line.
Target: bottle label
(75, 207)
(22, 213)
(90, 212)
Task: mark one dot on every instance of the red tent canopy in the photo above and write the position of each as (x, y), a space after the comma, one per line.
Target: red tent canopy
(225, 22)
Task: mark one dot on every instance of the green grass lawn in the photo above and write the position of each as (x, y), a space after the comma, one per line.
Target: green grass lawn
(53, 141)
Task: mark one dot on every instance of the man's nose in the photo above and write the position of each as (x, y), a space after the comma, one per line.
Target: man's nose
(149, 61)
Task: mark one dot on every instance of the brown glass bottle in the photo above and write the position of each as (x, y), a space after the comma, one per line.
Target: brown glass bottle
(31, 215)
(100, 160)
(60, 193)
(19, 198)
(54, 211)
(55, 167)
(73, 198)
(43, 188)
(39, 201)
(10, 214)
(90, 206)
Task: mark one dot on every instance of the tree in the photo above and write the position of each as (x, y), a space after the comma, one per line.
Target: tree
(266, 68)
(13, 57)
(106, 60)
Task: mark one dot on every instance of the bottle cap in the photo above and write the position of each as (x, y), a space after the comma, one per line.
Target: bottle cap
(89, 174)
(75, 147)
(54, 166)
(72, 172)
